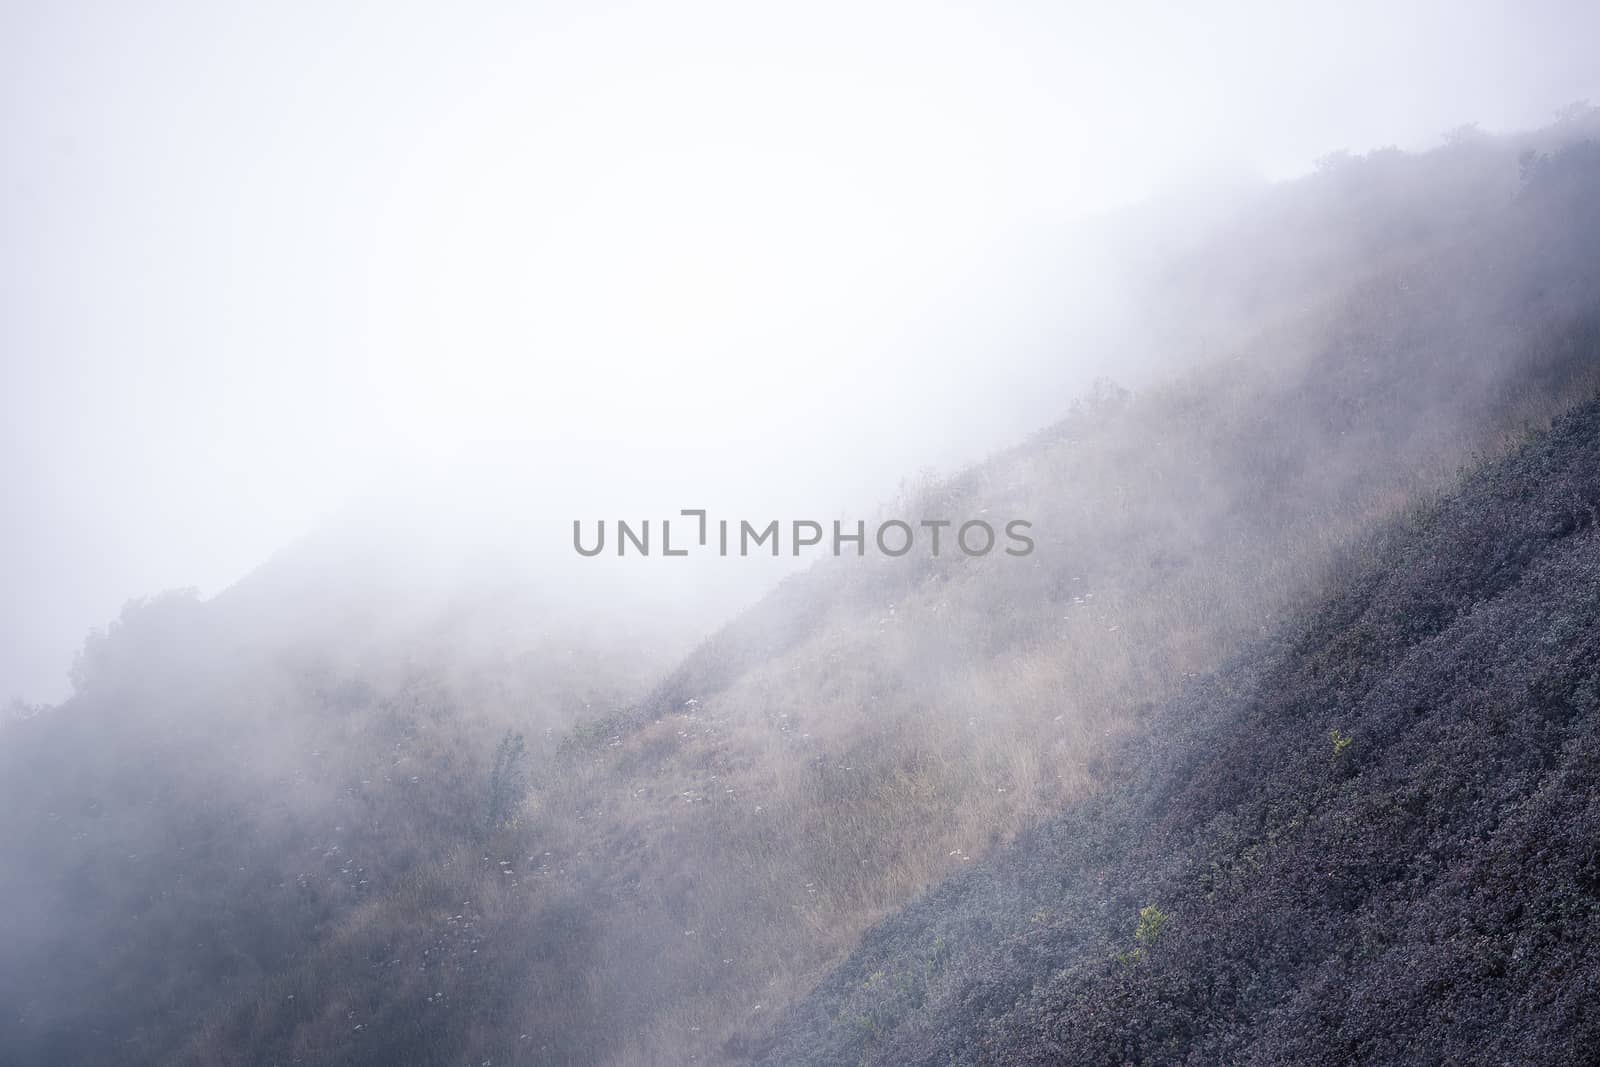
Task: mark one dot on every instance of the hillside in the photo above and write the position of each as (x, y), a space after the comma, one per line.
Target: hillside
(320, 842)
(1371, 839)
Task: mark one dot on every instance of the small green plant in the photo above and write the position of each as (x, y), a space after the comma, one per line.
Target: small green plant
(1341, 742)
(1152, 920)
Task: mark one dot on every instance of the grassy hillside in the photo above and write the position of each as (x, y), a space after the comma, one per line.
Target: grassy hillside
(306, 844)
(1374, 838)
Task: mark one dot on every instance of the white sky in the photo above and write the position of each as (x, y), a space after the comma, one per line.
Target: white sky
(255, 261)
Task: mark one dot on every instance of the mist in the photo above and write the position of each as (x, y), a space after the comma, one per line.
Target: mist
(1264, 344)
(271, 274)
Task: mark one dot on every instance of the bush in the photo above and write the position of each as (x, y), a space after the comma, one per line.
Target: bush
(506, 782)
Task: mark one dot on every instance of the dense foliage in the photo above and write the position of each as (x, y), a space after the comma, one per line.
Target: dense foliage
(1375, 839)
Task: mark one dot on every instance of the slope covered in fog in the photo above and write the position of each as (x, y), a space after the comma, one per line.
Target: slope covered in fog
(1374, 838)
(280, 825)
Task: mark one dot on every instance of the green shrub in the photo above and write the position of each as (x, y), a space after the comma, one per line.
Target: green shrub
(1341, 742)
(1152, 920)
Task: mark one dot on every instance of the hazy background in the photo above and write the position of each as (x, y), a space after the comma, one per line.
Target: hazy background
(462, 275)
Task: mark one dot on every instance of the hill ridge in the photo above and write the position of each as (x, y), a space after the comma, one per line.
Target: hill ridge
(1286, 819)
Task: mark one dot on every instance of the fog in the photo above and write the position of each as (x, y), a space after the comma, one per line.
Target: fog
(453, 278)
(328, 330)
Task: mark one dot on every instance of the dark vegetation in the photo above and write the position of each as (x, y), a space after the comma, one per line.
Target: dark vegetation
(292, 824)
(1374, 839)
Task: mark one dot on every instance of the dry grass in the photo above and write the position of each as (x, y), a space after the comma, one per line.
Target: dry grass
(677, 877)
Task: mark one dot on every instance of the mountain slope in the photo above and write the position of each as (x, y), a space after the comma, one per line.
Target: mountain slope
(242, 843)
(1374, 840)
